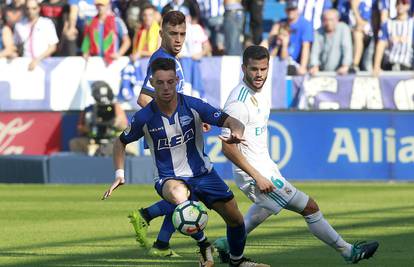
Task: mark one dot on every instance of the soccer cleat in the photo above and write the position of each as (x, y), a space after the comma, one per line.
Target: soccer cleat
(362, 250)
(141, 227)
(206, 255)
(157, 252)
(222, 247)
(245, 262)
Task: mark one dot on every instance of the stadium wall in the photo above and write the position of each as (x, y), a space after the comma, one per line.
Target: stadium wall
(322, 145)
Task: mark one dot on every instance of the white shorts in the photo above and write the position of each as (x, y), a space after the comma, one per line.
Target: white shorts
(286, 196)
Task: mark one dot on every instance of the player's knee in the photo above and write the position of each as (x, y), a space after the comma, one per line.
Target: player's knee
(175, 191)
(236, 219)
(311, 207)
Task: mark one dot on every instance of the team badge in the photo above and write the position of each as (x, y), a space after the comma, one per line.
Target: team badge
(254, 101)
(185, 120)
(217, 114)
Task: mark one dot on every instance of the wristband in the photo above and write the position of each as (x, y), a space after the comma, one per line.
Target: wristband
(119, 173)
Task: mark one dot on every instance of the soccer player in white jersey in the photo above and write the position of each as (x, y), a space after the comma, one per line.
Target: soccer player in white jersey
(258, 177)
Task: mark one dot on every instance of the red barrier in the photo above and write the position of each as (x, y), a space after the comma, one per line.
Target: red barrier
(30, 133)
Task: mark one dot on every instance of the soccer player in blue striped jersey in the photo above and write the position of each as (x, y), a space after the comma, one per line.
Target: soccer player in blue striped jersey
(172, 126)
(255, 173)
(173, 31)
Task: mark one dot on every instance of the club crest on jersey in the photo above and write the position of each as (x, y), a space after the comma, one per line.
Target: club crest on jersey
(254, 101)
(176, 140)
(185, 120)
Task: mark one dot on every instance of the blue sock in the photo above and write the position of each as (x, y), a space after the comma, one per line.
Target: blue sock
(236, 236)
(159, 208)
(167, 229)
(199, 237)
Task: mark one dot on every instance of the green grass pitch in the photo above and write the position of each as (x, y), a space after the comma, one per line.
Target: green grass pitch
(68, 225)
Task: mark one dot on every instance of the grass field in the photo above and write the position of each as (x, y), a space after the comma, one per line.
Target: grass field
(56, 225)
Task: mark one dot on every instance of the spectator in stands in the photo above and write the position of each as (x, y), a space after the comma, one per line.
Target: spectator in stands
(183, 6)
(332, 46)
(396, 40)
(312, 10)
(146, 38)
(212, 19)
(280, 44)
(14, 12)
(196, 44)
(301, 37)
(7, 47)
(99, 123)
(233, 27)
(80, 12)
(58, 12)
(35, 36)
(103, 27)
(360, 19)
(255, 9)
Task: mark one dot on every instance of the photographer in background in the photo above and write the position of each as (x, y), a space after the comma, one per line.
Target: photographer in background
(100, 123)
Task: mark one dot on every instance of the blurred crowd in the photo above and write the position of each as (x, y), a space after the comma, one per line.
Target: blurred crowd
(345, 36)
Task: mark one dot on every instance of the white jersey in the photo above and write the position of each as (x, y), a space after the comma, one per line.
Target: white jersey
(252, 109)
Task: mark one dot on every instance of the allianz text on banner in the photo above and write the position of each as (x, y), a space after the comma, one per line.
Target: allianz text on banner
(335, 145)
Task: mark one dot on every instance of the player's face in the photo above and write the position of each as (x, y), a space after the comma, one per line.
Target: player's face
(255, 73)
(173, 38)
(164, 83)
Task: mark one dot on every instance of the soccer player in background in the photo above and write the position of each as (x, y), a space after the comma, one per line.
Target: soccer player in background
(172, 126)
(255, 173)
(173, 31)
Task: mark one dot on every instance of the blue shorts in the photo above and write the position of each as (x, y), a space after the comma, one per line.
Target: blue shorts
(208, 188)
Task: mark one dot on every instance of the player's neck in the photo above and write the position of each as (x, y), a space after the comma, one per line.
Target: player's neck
(167, 107)
(168, 51)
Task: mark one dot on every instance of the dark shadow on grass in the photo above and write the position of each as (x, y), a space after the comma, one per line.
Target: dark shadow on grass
(395, 250)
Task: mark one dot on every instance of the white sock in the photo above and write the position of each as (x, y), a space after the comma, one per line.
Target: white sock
(255, 216)
(320, 228)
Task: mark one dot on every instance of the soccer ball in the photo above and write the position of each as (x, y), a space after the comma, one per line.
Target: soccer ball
(190, 217)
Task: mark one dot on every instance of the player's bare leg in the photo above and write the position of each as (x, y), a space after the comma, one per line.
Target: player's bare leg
(177, 192)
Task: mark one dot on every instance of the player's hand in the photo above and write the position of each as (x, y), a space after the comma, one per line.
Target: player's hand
(234, 138)
(118, 182)
(33, 64)
(206, 127)
(265, 185)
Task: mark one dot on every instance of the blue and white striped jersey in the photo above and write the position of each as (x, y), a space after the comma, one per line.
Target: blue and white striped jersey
(176, 142)
(312, 10)
(161, 53)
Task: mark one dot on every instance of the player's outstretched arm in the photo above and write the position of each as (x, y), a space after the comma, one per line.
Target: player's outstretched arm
(119, 160)
(237, 130)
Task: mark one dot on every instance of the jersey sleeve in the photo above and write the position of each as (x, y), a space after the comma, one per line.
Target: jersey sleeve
(146, 86)
(208, 113)
(133, 132)
(238, 111)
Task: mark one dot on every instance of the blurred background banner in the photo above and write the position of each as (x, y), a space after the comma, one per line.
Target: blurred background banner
(30, 133)
(63, 84)
(391, 91)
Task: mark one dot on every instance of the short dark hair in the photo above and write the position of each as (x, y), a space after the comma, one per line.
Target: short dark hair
(256, 52)
(163, 63)
(173, 18)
